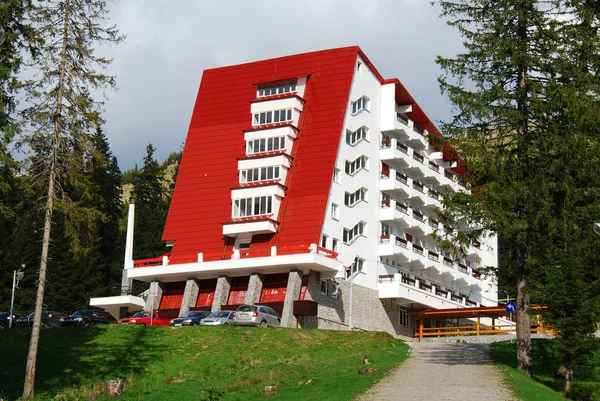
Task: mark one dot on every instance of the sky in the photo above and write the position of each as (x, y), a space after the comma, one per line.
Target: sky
(169, 43)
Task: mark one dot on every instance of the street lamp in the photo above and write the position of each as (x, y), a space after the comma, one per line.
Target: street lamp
(17, 276)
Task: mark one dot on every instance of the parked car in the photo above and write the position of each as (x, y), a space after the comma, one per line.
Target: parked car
(143, 319)
(219, 318)
(87, 318)
(5, 319)
(190, 318)
(256, 315)
(49, 318)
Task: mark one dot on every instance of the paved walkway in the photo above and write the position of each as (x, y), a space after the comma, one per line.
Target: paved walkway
(443, 372)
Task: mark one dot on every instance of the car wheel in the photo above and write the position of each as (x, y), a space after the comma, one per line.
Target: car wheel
(143, 324)
(194, 324)
(263, 323)
(225, 324)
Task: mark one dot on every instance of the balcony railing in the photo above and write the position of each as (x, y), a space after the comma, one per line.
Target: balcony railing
(401, 242)
(402, 119)
(385, 174)
(418, 186)
(434, 167)
(433, 223)
(450, 175)
(462, 268)
(402, 147)
(433, 194)
(401, 178)
(408, 280)
(418, 216)
(385, 203)
(401, 207)
(417, 249)
(424, 286)
(384, 239)
(419, 157)
(418, 129)
(448, 262)
(386, 144)
(433, 256)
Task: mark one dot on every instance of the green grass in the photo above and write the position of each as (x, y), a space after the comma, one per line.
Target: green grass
(161, 363)
(544, 386)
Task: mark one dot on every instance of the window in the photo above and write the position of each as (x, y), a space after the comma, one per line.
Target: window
(324, 241)
(403, 317)
(324, 287)
(265, 145)
(360, 104)
(335, 211)
(351, 199)
(336, 175)
(359, 66)
(385, 229)
(352, 167)
(335, 244)
(244, 246)
(356, 267)
(277, 88)
(256, 206)
(352, 233)
(352, 137)
(273, 116)
(259, 174)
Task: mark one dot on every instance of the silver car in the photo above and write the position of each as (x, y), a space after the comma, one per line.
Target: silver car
(219, 318)
(256, 315)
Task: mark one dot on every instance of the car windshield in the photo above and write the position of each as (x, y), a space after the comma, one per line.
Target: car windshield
(194, 314)
(141, 314)
(246, 308)
(31, 315)
(83, 313)
(3, 315)
(219, 315)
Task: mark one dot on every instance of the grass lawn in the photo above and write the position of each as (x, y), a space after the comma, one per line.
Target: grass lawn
(162, 363)
(544, 386)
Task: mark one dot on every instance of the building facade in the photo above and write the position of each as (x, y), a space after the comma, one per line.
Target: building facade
(307, 184)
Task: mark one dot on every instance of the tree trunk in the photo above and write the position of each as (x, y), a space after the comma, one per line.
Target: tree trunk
(568, 378)
(28, 387)
(524, 362)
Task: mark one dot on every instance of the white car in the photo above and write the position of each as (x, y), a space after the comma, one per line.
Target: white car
(218, 318)
(256, 315)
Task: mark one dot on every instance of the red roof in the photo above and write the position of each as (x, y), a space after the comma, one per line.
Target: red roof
(202, 198)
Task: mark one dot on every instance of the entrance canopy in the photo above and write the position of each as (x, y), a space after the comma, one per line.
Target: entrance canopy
(113, 304)
(493, 312)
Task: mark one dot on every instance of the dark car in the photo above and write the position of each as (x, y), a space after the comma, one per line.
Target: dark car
(49, 318)
(87, 318)
(190, 318)
(5, 319)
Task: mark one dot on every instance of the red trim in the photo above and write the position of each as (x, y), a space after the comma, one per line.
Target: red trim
(278, 97)
(270, 126)
(172, 295)
(255, 184)
(261, 155)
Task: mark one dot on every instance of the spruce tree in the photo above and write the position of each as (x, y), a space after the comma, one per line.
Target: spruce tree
(63, 115)
(504, 87)
(151, 207)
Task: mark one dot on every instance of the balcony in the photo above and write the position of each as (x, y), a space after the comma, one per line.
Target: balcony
(394, 182)
(417, 196)
(395, 211)
(395, 152)
(391, 245)
(433, 174)
(417, 168)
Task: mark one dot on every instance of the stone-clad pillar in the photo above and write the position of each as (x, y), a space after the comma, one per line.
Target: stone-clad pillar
(292, 294)
(254, 289)
(190, 295)
(156, 303)
(221, 292)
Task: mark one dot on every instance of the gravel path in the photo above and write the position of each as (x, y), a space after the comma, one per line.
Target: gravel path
(443, 372)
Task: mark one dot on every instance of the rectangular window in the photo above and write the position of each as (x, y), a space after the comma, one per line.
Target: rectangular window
(360, 104)
(335, 244)
(352, 167)
(259, 174)
(351, 199)
(335, 290)
(356, 267)
(273, 116)
(277, 88)
(335, 211)
(265, 145)
(336, 175)
(352, 137)
(324, 241)
(324, 287)
(257, 206)
(354, 232)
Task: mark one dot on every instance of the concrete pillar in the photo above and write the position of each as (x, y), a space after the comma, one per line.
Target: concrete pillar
(221, 292)
(254, 289)
(126, 284)
(190, 295)
(292, 294)
(156, 303)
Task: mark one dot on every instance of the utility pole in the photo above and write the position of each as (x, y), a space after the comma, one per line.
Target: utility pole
(17, 276)
(352, 267)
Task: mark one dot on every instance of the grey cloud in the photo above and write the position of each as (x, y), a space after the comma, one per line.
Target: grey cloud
(170, 43)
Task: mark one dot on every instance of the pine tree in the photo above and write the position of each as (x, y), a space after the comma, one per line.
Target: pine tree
(63, 114)
(505, 87)
(151, 207)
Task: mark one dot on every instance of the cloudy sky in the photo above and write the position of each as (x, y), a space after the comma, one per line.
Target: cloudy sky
(169, 43)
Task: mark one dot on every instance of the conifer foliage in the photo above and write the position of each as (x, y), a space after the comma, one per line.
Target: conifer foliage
(526, 96)
(63, 116)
